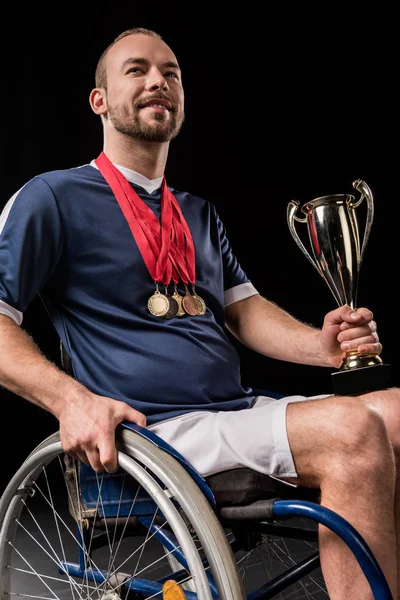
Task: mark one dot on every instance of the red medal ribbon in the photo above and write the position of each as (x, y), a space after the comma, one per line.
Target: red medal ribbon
(167, 248)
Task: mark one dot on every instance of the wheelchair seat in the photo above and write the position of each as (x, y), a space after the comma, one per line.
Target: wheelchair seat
(243, 486)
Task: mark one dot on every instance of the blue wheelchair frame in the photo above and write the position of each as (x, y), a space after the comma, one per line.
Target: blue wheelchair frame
(280, 509)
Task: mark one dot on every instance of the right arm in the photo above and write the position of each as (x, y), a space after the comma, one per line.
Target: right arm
(31, 245)
(87, 421)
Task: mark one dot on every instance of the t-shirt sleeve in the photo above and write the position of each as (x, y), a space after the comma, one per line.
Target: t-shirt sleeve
(237, 285)
(31, 241)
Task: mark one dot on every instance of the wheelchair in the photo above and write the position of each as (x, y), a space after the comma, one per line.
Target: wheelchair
(67, 532)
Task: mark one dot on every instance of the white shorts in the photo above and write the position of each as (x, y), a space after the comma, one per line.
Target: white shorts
(255, 437)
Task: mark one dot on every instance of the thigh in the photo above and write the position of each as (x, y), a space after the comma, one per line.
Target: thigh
(219, 441)
(324, 434)
(306, 426)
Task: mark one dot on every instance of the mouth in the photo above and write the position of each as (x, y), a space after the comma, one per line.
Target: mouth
(158, 104)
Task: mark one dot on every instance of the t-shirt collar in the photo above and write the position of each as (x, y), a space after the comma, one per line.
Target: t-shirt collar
(150, 185)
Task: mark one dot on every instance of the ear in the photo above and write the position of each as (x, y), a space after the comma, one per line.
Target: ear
(97, 101)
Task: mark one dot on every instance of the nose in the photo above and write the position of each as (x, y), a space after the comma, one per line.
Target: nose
(157, 81)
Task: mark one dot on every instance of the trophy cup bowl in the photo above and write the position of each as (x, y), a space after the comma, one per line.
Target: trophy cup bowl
(334, 237)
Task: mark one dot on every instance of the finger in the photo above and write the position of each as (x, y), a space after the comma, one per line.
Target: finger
(366, 314)
(83, 458)
(370, 348)
(79, 456)
(94, 460)
(108, 455)
(359, 342)
(349, 315)
(339, 315)
(361, 315)
(344, 326)
(358, 332)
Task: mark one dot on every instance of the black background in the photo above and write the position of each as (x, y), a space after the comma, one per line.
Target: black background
(280, 105)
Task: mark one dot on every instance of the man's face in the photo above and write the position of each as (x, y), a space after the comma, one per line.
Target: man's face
(145, 98)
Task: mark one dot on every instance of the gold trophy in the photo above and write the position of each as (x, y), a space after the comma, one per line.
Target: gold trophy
(335, 241)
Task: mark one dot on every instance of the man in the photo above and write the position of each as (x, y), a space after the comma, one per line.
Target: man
(140, 282)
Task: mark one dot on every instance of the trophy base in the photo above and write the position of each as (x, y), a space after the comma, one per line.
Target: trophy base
(353, 382)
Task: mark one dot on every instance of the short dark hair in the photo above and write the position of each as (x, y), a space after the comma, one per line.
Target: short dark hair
(101, 73)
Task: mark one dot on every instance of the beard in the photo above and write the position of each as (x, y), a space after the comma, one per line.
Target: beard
(159, 130)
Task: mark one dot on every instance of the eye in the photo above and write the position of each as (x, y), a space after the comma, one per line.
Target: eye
(134, 70)
(172, 74)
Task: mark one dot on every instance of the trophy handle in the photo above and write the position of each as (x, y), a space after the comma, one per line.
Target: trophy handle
(291, 218)
(366, 193)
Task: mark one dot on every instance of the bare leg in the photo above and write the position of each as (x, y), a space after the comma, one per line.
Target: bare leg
(342, 446)
(397, 522)
(388, 404)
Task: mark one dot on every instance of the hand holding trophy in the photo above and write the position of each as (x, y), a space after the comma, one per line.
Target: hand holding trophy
(334, 237)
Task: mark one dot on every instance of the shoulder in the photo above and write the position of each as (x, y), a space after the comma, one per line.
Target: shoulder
(200, 203)
(42, 191)
(58, 179)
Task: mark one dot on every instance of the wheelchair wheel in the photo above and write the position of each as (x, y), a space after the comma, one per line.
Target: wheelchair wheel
(265, 556)
(271, 556)
(111, 538)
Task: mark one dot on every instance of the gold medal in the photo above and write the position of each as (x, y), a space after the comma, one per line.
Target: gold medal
(190, 304)
(176, 296)
(173, 306)
(158, 304)
(201, 304)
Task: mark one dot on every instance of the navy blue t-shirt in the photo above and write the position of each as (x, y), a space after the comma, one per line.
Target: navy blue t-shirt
(64, 237)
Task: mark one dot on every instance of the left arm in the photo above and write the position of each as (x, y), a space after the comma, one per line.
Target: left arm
(266, 328)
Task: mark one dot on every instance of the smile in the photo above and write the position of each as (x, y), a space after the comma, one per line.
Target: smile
(157, 103)
(156, 106)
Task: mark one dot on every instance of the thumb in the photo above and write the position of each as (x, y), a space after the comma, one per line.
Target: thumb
(134, 416)
(343, 314)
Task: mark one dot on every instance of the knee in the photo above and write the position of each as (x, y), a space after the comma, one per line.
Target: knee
(388, 404)
(358, 438)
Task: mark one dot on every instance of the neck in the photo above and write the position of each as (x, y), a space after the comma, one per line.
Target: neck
(147, 158)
